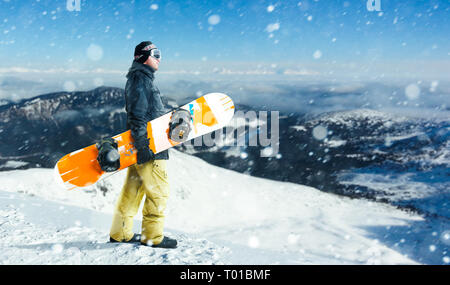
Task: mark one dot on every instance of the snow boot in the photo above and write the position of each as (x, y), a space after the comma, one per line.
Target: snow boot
(165, 243)
(135, 238)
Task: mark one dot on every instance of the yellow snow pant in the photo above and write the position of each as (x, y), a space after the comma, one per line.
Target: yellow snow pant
(150, 179)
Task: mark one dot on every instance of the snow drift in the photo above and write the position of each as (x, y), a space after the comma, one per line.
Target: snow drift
(219, 217)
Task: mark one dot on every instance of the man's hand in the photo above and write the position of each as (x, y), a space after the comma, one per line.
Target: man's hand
(144, 153)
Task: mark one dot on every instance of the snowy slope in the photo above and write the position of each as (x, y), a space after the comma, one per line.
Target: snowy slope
(219, 217)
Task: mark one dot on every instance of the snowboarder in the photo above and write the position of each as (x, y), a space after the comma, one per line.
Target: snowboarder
(149, 176)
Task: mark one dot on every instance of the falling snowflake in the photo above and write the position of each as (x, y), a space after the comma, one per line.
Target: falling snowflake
(434, 85)
(266, 152)
(273, 27)
(94, 52)
(319, 132)
(317, 54)
(214, 19)
(412, 91)
(445, 237)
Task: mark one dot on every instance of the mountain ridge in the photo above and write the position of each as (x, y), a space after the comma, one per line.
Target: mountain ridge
(325, 151)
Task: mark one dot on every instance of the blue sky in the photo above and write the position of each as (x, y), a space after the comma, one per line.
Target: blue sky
(44, 34)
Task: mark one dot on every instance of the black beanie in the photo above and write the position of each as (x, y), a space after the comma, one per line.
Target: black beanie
(141, 53)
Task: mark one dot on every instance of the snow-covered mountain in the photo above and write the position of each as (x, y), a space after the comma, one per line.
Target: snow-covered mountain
(374, 154)
(219, 217)
(38, 130)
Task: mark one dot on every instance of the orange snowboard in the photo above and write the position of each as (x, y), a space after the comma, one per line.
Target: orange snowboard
(81, 168)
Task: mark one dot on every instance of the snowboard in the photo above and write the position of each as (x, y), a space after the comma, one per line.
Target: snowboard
(207, 114)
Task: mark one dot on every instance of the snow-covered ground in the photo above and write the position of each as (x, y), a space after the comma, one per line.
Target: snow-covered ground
(218, 216)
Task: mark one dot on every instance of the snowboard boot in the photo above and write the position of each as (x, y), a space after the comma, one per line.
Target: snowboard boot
(180, 125)
(166, 243)
(135, 238)
(108, 155)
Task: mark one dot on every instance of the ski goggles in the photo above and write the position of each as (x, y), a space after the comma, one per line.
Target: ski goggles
(154, 51)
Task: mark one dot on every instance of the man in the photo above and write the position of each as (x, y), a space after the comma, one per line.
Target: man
(149, 176)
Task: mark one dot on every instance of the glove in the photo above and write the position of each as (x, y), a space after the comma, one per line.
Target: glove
(144, 153)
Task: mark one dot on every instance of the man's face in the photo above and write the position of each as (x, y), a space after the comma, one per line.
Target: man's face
(153, 62)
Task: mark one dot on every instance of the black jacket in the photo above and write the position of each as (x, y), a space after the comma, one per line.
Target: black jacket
(143, 102)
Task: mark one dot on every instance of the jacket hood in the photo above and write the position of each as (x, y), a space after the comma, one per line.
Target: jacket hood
(137, 66)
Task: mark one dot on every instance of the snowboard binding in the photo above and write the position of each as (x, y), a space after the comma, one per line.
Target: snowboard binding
(179, 125)
(108, 155)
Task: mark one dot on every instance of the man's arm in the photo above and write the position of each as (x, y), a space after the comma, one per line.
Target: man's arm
(137, 108)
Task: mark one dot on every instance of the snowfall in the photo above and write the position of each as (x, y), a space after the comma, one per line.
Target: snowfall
(218, 216)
